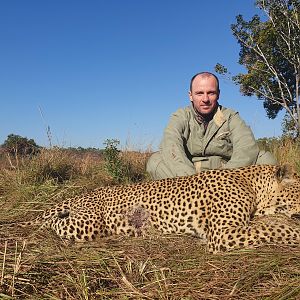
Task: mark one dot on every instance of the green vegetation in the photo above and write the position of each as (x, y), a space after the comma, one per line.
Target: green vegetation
(123, 167)
(39, 265)
(270, 53)
(17, 145)
(113, 162)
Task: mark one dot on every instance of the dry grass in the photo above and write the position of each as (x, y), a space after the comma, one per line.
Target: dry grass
(286, 151)
(39, 265)
(169, 267)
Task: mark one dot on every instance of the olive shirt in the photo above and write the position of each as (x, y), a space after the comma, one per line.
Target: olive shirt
(187, 148)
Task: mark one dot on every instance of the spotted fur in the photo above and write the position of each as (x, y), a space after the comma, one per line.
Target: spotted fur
(217, 206)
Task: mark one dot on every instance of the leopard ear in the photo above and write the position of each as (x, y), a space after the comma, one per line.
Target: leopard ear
(286, 174)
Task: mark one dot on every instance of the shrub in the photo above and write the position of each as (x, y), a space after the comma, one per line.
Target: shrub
(126, 166)
(17, 145)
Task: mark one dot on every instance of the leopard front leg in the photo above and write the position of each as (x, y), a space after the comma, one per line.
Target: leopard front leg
(265, 230)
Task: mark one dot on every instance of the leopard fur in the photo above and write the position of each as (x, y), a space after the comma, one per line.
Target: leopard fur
(217, 206)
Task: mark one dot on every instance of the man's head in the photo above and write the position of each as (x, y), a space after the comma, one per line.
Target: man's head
(204, 92)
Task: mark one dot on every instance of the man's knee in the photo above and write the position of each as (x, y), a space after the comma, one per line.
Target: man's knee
(152, 163)
(266, 158)
(157, 168)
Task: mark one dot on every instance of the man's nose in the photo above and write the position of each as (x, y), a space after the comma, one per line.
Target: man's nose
(205, 97)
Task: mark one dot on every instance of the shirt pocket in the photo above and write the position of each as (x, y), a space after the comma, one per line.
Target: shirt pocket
(221, 145)
(224, 136)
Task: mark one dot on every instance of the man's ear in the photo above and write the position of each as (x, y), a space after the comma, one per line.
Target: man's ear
(190, 96)
(286, 175)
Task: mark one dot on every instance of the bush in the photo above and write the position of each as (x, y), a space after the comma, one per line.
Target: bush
(17, 145)
(126, 166)
(113, 163)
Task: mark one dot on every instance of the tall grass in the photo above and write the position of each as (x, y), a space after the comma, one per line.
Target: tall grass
(28, 180)
(285, 150)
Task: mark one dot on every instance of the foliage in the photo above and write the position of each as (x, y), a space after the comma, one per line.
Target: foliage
(288, 127)
(117, 164)
(113, 163)
(86, 150)
(270, 52)
(15, 144)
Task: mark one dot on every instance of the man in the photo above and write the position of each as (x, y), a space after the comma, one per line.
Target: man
(205, 135)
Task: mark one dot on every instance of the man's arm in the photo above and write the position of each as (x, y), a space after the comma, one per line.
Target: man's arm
(245, 148)
(172, 145)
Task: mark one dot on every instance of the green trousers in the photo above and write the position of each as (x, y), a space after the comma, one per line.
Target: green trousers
(158, 169)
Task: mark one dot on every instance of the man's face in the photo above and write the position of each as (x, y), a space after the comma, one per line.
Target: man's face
(204, 94)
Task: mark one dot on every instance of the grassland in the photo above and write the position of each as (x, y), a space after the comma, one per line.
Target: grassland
(39, 265)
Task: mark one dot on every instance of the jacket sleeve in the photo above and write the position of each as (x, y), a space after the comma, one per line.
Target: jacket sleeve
(245, 148)
(172, 146)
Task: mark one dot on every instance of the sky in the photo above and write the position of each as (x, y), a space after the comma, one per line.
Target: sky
(75, 73)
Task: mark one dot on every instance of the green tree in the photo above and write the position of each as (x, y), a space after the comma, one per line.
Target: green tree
(270, 52)
(16, 144)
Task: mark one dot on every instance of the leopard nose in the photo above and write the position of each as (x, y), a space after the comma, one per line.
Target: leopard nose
(296, 216)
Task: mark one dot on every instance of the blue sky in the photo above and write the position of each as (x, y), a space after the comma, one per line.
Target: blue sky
(98, 69)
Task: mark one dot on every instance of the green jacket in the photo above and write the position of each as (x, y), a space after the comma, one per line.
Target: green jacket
(227, 142)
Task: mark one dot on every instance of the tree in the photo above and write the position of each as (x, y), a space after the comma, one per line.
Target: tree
(15, 144)
(270, 52)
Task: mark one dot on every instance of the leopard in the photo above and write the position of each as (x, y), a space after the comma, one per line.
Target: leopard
(219, 206)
